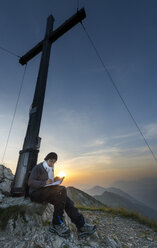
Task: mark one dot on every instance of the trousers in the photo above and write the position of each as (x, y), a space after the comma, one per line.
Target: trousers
(57, 195)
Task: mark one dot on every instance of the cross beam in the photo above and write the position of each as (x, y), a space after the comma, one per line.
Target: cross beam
(66, 26)
(29, 153)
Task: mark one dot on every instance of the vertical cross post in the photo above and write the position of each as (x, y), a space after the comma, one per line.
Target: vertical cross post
(28, 155)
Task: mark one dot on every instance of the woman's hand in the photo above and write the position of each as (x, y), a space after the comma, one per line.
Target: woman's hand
(56, 179)
(49, 181)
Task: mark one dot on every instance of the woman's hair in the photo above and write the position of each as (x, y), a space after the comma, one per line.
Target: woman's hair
(51, 155)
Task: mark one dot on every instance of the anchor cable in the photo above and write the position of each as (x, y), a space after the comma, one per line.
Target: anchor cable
(78, 1)
(117, 90)
(11, 125)
(10, 52)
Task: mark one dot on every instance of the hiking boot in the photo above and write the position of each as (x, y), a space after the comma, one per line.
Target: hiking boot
(86, 230)
(62, 230)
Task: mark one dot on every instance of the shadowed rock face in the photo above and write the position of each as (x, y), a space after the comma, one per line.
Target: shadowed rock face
(6, 178)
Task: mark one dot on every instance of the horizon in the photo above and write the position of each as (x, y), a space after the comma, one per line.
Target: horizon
(85, 186)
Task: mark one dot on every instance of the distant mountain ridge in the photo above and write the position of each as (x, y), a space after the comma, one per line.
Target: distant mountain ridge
(116, 201)
(117, 198)
(96, 190)
(143, 189)
(137, 192)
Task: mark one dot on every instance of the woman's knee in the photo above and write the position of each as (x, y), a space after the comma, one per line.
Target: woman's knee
(63, 189)
(59, 190)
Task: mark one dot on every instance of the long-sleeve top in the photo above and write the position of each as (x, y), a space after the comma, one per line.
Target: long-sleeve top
(37, 178)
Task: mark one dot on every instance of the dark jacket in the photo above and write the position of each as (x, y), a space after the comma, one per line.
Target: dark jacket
(37, 178)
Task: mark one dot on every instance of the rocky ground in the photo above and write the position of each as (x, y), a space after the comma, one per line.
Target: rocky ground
(125, 232)
(24, 224)
(112, 231)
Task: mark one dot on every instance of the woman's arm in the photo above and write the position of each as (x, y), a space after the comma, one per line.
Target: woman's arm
(34, 181)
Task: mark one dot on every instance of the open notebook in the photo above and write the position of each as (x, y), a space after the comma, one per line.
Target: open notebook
(55, 183)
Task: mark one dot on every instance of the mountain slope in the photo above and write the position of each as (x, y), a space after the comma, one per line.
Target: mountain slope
(143, 189)
(116, 201)
(122, 194)
(82, 199)
(98, 190)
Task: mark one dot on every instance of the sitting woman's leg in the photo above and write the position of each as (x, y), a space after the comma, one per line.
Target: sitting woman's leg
(55, 195)
(76, 217)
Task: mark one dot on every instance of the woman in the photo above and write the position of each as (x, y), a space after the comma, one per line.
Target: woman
(43, 174)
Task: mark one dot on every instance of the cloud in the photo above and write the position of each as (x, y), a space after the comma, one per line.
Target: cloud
(124, 136)
(151, 130)
(96, 143)
(101, 142)
(106, 150)
(100, 159)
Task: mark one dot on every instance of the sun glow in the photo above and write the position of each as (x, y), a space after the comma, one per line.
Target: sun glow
(61, 174)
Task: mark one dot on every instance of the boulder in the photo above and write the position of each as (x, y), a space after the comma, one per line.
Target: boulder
(31, 210)
(6, 178)
(8, 173)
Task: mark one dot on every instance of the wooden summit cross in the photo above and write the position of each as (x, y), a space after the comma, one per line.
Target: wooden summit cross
(29, 153)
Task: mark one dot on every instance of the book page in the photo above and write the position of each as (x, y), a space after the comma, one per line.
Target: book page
(55, 183)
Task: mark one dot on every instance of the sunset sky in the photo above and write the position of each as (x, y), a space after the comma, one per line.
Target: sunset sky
(84, 120)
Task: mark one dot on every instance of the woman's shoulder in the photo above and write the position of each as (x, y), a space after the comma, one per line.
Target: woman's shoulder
(38, 167)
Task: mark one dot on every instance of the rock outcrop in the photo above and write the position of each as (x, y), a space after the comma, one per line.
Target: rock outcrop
(6, 178)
